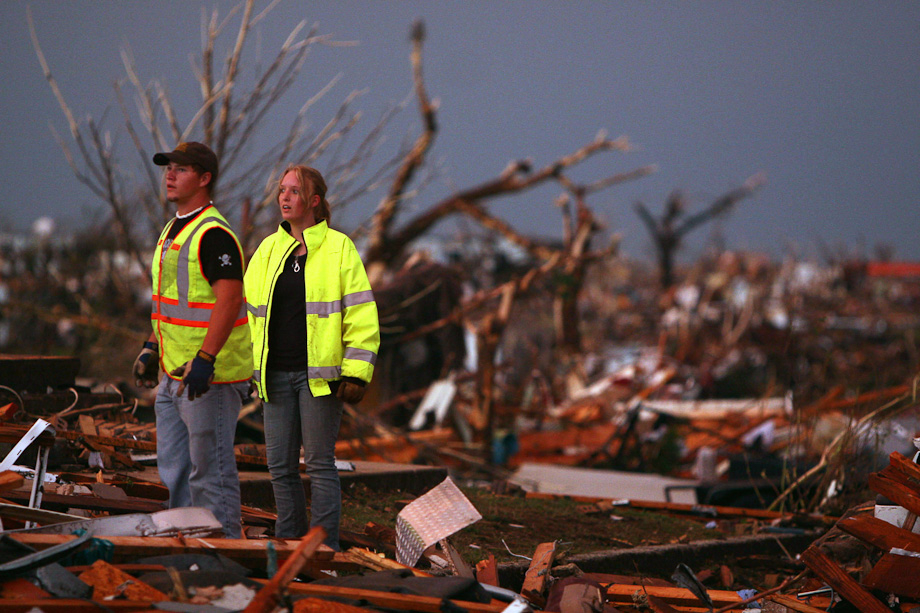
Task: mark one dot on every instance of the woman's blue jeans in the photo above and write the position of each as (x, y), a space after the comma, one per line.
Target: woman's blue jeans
(294, 417)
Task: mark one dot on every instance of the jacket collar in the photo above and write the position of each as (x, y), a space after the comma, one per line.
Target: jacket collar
(313, 236)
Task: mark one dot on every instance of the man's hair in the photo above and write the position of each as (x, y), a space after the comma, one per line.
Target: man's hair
(200, 170)
(309, 177)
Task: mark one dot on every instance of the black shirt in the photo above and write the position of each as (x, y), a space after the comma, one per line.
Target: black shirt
(287, 326)
(220, 256)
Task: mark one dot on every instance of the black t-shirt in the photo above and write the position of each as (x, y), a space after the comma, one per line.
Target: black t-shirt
(287, 326)
(220, 256)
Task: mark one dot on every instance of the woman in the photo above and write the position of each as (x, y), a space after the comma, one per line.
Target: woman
(314, 339)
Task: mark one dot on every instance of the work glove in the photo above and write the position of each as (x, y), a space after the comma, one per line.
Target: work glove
(147, 366)
(350, 392)
(196, 375)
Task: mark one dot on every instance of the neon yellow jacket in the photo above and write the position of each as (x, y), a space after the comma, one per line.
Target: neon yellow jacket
(183, 302)
(343, 334)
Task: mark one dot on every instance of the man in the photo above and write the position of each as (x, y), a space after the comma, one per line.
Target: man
(200, 338)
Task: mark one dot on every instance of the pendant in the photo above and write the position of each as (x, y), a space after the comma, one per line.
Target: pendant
(296, 264)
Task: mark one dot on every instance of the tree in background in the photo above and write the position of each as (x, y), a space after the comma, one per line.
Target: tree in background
(231, 112)
(669, 230)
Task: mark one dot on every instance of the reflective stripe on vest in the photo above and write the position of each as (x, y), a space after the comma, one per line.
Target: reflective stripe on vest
(182, 312)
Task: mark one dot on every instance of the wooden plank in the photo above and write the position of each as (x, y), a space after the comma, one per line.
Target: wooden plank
(128, 505)
(795, 605)
(693, 509)
(319, 605)
(906, 467)
(879, 533)
(10, 480)
(129, 548)
(369, 559)
(897, 574)
(271, 594)
(88, 427)
(537, 575)
(895, 491)
(69, 605)
(487, 571)
(855, 594)
(21, 588)
(675, 596)
(110, 582)
(402, 602)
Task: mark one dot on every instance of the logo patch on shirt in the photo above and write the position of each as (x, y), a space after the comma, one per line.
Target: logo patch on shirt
(225, 260)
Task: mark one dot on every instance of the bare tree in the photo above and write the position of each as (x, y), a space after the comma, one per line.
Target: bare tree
(231, 111)
(669, 230)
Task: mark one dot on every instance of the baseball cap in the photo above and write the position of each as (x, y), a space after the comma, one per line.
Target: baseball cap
(190, 153)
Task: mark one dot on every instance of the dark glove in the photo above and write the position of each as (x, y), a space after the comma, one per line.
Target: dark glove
(350, 392)
(196, 374)
(147, 366)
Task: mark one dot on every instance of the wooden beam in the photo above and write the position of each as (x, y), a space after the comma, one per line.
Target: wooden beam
(692, 509)
(906, 467)
(487, 571)
(795, 605)
(818, 562)
(271, 594)
(895, 491)
(10, 480)
(675, 596)
(536, 577)
(129, 548)
(879, 533)
(402, 602)
(895, 573)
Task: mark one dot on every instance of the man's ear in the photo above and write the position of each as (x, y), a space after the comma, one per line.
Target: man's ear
(204, 179)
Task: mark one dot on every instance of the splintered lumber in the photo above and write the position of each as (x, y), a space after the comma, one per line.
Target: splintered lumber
(537, 575)
(110, 582)
(905, 466)
(270, 596)
(487, 571)
(401, 602)
(318, 605)
(373, 561)
(880, 533)
(895, 491)
(683, 508)
(129, 548)
(81, 501)
(10, 480)
(897, 574)
(794, 605)
(675, 596)
(818, 562)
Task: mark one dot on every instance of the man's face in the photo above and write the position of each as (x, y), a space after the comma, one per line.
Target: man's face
(182, 182)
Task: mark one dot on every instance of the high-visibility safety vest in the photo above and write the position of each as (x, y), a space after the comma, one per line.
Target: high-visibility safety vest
(183, 302)
(343, 334)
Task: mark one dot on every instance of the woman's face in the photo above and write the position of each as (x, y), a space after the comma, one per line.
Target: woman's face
(297, 202)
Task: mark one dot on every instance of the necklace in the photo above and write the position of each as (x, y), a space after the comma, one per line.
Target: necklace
(295, 266)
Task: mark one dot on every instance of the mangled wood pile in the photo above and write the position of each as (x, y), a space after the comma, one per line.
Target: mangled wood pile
(892, 577)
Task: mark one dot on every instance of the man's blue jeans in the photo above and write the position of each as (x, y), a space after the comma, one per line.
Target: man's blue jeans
(195, 456)
(293, 416)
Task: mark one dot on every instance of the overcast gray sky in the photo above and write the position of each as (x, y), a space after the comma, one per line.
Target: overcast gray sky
(822, 97)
